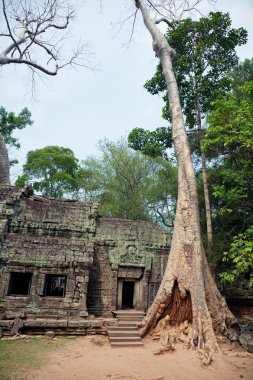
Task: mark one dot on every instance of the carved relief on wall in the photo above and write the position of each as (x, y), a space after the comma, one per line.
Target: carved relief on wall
(130, 272)
(132, 255)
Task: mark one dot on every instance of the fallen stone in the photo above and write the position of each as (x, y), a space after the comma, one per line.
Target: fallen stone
(50, 334)
(97, 341)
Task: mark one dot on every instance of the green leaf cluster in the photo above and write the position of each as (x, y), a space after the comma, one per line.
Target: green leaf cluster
(151, 143)
(205, 53)
(229, 136)
(51, 170)
(130, 185)
(240, 258)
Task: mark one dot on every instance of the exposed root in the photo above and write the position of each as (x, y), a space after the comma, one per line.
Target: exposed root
(164, 349)
(240, 355)
(169, 335)
(205, 356)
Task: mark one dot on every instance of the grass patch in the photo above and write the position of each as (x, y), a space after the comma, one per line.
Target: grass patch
(18, 356)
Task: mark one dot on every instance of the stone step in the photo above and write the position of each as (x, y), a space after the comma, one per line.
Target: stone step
(122, 333)
(127, 344)
(130, 316)
(126, 332)
(120, 313)
(125, 339)
(121, 328)
(129, 324)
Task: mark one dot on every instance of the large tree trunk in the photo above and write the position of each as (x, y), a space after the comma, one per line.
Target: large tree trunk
(209, 228)
(4, 163)
(188, 290)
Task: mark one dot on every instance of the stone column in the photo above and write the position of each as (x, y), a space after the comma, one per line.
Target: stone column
(82, 286)
(114, 290)
(144, 303)
(5, 282)
(34, 284)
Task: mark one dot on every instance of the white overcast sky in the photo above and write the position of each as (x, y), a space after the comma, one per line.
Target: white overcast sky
(77, 108)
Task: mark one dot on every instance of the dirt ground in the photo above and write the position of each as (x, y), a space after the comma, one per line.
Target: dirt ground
(85, 359)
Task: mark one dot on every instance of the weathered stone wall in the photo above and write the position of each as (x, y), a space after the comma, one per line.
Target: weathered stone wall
(72, 262)
(45, 237)
(126, 250)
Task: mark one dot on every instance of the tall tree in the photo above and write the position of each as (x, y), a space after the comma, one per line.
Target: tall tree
(205, 54)
(51, 170)
(130, 186)
(188, 290)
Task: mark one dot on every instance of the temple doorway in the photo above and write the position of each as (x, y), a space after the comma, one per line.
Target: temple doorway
(128, 295)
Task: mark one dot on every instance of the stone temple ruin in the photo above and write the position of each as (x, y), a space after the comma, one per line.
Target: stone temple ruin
(61, 265)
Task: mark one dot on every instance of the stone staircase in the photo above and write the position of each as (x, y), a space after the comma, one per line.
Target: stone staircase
(126, 333)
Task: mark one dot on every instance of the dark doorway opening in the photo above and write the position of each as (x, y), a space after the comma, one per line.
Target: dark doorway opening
(128, 295)
(55, 285)
(20, 283)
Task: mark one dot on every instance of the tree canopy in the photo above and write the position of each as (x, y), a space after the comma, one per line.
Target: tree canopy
(129, 185)
(205, 53)
(51, 170)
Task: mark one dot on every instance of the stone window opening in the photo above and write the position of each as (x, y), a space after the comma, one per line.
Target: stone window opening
(55, 285)
(20, 284)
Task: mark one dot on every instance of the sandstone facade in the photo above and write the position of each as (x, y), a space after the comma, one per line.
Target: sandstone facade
(60, 260)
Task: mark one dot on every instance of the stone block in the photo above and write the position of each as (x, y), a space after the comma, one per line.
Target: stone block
(6, 323)
(78, 323)
(83, 314)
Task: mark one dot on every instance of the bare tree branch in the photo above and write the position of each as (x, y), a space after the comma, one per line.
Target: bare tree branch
(132, 31)
(163, 19)
(35, 30)
(9, 28)
(33, 64)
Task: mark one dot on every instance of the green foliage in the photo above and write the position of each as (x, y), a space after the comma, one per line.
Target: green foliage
(230, 176)
(205, 53)
(151, 143)
(242, 73)
(52, 170)
(240, 258)
(128, 185)
(9, 123)
(230, 134)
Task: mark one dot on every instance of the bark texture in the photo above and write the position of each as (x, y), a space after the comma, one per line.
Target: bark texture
(209, 228)
(4, 163)
(188, 290)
